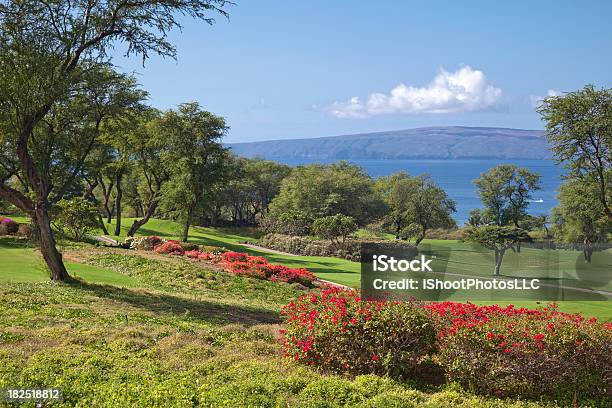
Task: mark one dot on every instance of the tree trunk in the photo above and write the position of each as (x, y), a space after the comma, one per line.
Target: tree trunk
(420, 237)
(47, 244)
(139, 223)
(499, 257)
(588, 250)
(101, 222)
(89, 195)
(118, 203)
(111, 214)
(187, 224)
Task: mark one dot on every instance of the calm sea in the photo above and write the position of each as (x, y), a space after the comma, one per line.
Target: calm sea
(456, 177)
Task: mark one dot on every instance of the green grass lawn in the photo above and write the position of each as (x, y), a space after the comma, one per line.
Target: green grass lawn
(452, 256)
(21, 263)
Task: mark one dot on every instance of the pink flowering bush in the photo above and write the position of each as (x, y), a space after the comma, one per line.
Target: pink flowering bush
(336, 331)
(8, 226)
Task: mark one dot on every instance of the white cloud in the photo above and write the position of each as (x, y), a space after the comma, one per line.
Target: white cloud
(536, 100)
(464, 90)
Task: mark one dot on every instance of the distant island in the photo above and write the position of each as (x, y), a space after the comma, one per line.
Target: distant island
(452, 142)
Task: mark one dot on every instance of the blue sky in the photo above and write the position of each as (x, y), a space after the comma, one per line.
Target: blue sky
(288, 69)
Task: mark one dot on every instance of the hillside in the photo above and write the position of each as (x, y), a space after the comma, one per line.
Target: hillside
(422, 143)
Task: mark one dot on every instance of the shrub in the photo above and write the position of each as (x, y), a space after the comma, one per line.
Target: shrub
(145, 243)
(311, 247)
(290, 223)
(213, 249)
(335, 228)
(441, 233)
(189, 246)
(258, 267)
(26, 231)
(524, 353)
(338, 332)
(170, 248)
(76, 215)
(411, 232)
(9, 226)
(194, 254)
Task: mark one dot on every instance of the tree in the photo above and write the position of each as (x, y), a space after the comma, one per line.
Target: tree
(580, 216)
(291, 222)
(412, 232)
(196, 160)
(506, 190)
(77, 215)
(579, 128)
(50, 54)
(475, 218)
(248, 187)
(150, 147)
(335, 228)
(496, 238)
(320, 190)
(417, 200)
(49, 166)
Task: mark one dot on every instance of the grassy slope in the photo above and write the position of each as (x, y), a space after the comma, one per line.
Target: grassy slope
(463, 258)
(182, 336)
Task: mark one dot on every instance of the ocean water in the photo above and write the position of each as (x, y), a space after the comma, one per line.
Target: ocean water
(457, 176)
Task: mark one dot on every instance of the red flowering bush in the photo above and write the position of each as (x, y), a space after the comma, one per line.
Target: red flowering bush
(258, 267)
(194, 254)
(524, 353)
(170, 248)
(337, 331)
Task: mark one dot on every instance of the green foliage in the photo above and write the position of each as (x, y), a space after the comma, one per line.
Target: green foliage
(248, 187)
(290, 222)
(505, 190)
(496, 238)
(321, 190)
(475, 218)
(580, 216)
(77, 216)
(411, 232)
(417, 200)
(196, 160)
(578, 126)
(335, 228)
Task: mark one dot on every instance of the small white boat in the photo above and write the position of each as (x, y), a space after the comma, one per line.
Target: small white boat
(536, 201)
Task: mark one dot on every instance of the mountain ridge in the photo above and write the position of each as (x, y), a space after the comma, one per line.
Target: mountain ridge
(436, 142)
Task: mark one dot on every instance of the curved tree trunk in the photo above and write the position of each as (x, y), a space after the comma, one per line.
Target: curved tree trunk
(48, 248)
(139, 223)
(420, 237)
